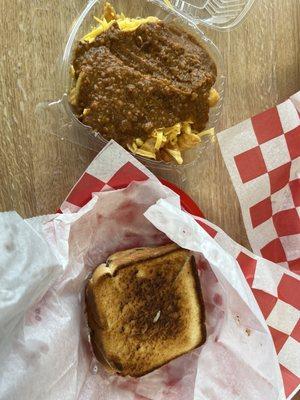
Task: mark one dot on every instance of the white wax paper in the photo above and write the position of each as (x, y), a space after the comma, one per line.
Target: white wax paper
(28, 268)
(55, 361)
(238, 360)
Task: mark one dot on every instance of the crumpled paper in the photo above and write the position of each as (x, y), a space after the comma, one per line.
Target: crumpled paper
(28, 269)
(231, 364)
(55, 360)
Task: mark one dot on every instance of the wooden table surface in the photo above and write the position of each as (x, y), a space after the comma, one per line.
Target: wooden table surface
(262, 57)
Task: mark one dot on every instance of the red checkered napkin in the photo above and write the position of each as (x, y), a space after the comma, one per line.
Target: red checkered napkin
(276, 289)
(262, 155)
(114, 168)
(277, 292)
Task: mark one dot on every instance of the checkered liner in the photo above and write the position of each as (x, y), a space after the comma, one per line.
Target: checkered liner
(276, 289)
(277, 292)
(262, 155)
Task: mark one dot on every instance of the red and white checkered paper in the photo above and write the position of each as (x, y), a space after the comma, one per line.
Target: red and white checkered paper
(262, 155)
(276, 289)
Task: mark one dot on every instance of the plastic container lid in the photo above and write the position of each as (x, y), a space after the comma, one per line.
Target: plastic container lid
(219, 14)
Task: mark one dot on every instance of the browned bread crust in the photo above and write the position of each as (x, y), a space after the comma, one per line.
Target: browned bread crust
(145, 308)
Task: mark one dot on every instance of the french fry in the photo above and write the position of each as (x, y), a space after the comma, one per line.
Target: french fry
(176, 154)
(160, 139)
(139, 142)
(132, 147)
(186, 128)
(163, 155)
(86, 111)
(145, 153)
(187, 141)
(149, 145)
(109, 13)
(72, 71)
(209, 132)
(175, 130)
(213, 97)
(74, 92)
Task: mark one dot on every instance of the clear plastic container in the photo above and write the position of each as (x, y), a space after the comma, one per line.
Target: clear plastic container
(56, 116)
(220, 14)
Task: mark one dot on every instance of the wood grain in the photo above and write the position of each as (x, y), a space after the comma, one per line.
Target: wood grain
(262, 57)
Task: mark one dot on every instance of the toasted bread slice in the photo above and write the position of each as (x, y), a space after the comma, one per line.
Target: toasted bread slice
(145, 308)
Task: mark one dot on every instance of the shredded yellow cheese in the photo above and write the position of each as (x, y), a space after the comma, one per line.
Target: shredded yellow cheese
(103, 26)
(124, 24)
(169, 4)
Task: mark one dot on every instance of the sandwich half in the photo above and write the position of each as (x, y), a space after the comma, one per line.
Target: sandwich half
(145, 308)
